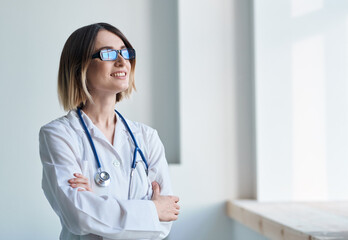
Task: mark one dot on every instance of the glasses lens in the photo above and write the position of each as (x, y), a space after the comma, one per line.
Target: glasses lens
(128, 53)
(108, 54)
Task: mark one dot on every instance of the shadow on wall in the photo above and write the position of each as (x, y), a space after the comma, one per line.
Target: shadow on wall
(165, 75)
(244, 98)
(210, 222)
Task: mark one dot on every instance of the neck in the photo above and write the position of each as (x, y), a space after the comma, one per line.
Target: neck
(101, 112)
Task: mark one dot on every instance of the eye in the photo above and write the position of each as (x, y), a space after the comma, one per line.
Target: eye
(108, 54)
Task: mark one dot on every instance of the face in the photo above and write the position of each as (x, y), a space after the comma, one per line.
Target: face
(108, 77)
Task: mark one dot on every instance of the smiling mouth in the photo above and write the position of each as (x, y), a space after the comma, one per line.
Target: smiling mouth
(118, 74)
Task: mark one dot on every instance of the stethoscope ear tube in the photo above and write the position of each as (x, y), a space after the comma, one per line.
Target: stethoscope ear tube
(137, 149)
(89, 138)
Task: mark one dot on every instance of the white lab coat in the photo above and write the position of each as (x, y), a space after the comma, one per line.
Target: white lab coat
(105, 213)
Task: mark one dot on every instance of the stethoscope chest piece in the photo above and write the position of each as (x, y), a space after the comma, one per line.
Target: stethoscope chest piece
(102, 178)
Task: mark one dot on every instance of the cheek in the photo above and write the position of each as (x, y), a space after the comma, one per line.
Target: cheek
(128, 65)
(96, 72)
(129, 69)
(91, 71)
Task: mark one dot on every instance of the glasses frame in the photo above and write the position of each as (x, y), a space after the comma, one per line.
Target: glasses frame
(99, 54)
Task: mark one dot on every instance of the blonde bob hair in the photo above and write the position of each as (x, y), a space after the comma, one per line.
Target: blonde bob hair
(74, 61)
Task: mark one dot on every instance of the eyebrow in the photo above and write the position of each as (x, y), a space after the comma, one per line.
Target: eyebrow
(108, 47)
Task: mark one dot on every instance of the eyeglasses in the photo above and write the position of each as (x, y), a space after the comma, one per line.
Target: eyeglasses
(112, 54)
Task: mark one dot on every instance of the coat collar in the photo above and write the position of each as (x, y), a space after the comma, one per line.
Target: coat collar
(121, 132)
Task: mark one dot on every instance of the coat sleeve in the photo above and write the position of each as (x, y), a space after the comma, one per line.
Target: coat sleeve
(158, 171)
(83, 212)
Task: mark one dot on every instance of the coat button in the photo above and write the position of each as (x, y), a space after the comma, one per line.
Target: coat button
(116, 163)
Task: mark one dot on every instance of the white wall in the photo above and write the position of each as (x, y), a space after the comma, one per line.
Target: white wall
(215, 104)
(301, 56)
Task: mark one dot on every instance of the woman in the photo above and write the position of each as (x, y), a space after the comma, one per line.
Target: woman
(100, 184)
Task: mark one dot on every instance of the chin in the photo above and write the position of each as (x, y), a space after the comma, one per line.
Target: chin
(123, 88)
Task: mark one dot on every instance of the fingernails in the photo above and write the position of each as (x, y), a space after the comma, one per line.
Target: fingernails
(77, 174)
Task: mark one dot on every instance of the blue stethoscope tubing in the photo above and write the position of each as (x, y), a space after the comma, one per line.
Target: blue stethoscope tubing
(136, 150)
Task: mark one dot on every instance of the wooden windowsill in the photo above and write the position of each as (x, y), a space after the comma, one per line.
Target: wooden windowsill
(293, 220)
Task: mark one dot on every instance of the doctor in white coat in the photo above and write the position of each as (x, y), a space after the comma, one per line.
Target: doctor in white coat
(96, 71)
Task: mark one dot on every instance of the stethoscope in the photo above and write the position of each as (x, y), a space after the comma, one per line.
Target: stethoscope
(102, 178)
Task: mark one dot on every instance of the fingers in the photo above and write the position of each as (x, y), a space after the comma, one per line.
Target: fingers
(174, 215)
(155, 185)
(79, 175)
(167, 206)
(155, 188)
(80, 182)
(175, 199)
(81, 186)
(85, 186)
(176, 208)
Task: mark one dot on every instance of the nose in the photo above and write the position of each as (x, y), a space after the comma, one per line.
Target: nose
(120, 61)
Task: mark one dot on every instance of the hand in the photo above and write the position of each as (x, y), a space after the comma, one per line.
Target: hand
(167, 206)
(80, 182)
